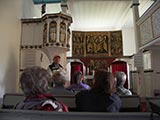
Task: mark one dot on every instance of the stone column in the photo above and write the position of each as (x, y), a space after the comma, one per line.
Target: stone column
(48, 23)
(67, 27)
(58, 29)
(135, 11)
(140, 81)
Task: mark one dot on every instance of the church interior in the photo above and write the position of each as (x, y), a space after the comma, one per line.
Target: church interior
(116, 35)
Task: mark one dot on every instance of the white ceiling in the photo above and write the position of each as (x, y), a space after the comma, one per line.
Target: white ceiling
(100, 15)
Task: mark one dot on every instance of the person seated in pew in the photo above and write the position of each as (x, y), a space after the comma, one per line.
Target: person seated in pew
(60, 83)
(101, 97)
(78, 84)
(121, 79)
(34, 84)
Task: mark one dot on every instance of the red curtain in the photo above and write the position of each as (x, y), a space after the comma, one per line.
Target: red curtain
(120, 66)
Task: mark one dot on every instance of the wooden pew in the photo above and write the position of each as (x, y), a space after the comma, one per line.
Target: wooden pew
(68, 100)
(155, 107)
(130, 103)
(11, 114)
(11, 99)
(148, 100)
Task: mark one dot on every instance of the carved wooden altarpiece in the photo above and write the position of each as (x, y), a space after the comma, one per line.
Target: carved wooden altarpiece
(97, 44)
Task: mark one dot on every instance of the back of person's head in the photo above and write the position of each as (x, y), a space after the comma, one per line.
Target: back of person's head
(104, 82)
(59, 78)
(120, 77)
(77, 77)
(34, 80)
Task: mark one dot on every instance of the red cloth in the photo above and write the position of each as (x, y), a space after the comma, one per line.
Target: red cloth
(120, 66)
(42, 102)
(49, 107)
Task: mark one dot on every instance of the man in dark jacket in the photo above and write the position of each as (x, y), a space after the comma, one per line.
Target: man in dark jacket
(55, 65)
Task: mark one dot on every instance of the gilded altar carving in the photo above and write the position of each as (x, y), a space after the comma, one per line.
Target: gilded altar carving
(78, 44)
(97, 44)
(97, 64)
(116, 44)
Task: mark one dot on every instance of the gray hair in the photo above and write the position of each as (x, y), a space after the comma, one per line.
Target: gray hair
(121, 78)
(77, 77)
(59, 77)
(34, 80)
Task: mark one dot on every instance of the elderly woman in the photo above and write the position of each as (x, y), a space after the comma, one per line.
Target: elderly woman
(34, 84)
(60, 83)
(102, 97)
(77, 84)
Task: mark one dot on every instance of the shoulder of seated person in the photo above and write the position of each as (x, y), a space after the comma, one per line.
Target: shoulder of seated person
(82, 92)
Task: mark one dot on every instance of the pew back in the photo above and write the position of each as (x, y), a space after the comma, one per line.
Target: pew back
(155, 107)
(130, 103)
(69, 100)
(150, 99)
(11, 99)
(44, 115)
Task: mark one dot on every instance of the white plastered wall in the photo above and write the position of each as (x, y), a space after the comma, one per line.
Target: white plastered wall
(10, 29)
(11, 12)
(129, 46)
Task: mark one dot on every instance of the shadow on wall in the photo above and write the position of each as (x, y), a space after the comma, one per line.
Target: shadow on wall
(11, 74)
